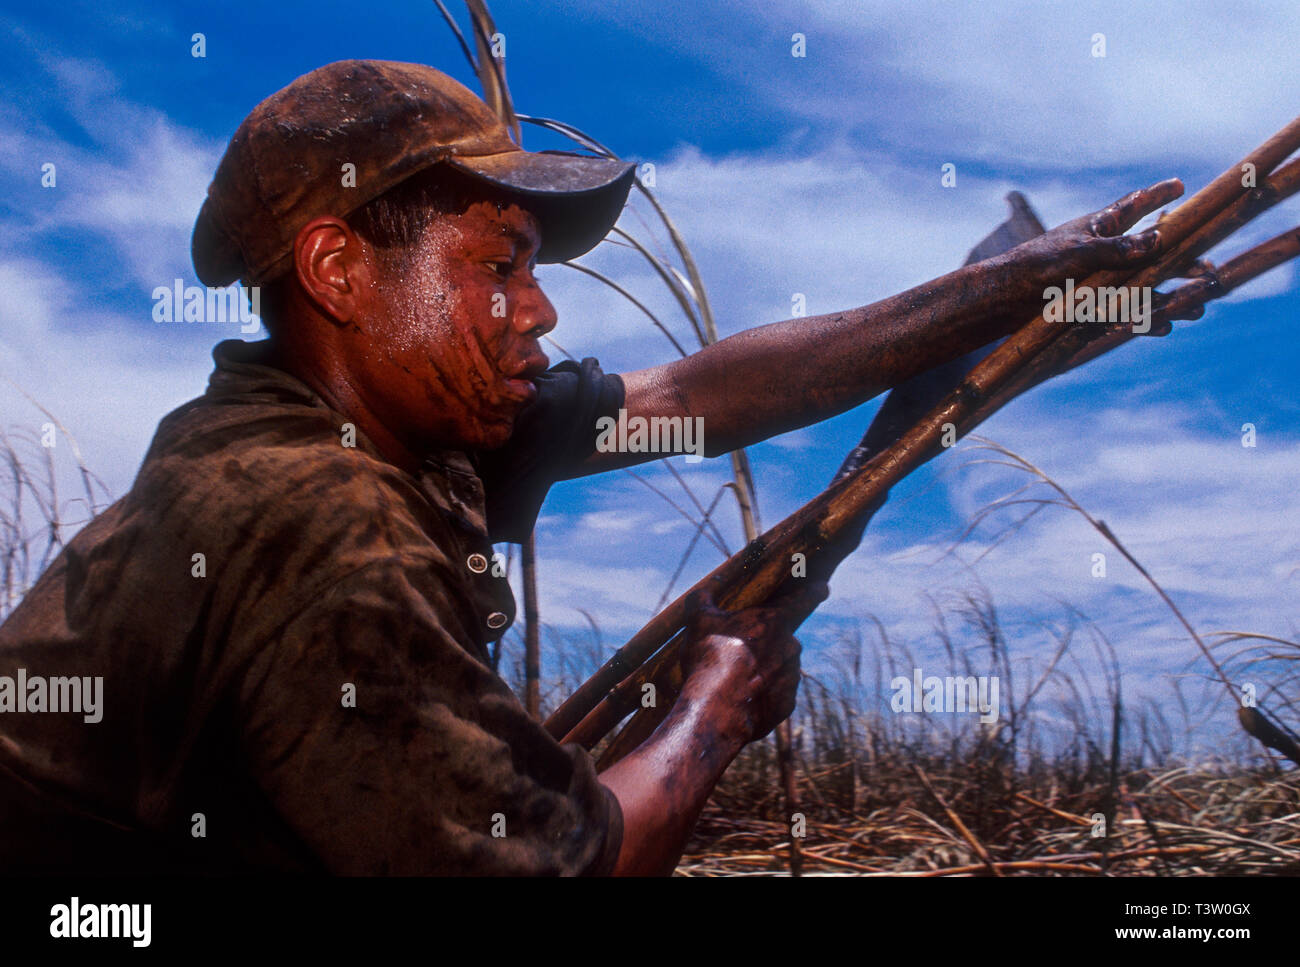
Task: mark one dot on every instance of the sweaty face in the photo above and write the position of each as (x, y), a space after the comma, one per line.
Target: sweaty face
(456, 331)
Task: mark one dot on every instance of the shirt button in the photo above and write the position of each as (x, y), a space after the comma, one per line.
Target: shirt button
(476, 563)
(496, 620)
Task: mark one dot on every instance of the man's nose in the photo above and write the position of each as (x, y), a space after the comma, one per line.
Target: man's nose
(533, 311)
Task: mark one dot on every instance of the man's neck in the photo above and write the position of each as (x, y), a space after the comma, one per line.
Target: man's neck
(337, 393)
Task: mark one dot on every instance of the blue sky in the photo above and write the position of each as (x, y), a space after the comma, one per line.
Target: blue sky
(815, 175)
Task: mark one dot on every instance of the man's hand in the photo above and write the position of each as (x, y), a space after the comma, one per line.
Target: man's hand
(1097, 241)
(741, 674)
(745, 664)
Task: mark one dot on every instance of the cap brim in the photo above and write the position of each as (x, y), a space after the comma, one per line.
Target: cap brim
(217, 259)
(575, 198)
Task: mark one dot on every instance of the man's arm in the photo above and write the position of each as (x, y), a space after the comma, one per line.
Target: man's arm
(782, 376)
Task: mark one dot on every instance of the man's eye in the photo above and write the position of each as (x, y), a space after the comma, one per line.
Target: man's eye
(500, 267)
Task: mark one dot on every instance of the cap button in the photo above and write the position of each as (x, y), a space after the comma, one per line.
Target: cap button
(496, 620)
(476, 563)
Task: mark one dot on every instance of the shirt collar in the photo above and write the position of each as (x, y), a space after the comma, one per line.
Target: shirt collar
(246, 369)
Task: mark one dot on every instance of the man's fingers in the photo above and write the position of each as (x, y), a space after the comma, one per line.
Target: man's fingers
(1128, 211)
(1129, 250)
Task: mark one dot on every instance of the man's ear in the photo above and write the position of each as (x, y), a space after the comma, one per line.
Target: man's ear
(333, 267)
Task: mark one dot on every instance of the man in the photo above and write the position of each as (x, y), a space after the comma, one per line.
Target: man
(290, 610)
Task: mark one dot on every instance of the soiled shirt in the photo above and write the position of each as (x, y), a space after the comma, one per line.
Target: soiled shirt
(293, 637)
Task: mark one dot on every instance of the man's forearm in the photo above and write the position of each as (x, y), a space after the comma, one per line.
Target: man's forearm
(663, 785)
(782, 376)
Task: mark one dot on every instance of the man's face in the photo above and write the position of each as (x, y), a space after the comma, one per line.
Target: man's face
(454, 333)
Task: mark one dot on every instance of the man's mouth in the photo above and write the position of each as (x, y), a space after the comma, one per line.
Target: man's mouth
(521, 383)
(524, 389)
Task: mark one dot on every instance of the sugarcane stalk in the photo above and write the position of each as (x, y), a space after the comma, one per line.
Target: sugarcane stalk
(532, 630)
(750, 577)
(1246, 266)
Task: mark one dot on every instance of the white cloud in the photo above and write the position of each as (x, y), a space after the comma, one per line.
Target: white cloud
(84, 365)
(1182, 85)
(147, 202)
(140, 188)
(81, 342)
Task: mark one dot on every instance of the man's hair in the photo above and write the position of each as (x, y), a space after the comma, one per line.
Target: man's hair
(395, 222)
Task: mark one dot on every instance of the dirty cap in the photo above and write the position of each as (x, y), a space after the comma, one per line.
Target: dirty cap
(286, 163)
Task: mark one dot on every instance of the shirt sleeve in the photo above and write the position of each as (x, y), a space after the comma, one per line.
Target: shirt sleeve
(388, 749)
(555, 434)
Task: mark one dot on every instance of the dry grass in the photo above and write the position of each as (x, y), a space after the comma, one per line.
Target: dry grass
(35, 518)
(1169, 822)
